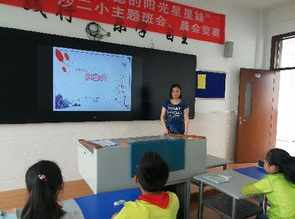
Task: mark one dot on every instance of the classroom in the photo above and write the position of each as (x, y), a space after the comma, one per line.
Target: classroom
(147, 109)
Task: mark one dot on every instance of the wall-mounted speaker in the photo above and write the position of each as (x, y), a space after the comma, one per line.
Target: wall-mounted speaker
(228, 49)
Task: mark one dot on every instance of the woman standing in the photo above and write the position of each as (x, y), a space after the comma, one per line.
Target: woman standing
(175, 113)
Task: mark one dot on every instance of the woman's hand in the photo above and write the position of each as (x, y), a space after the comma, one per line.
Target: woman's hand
(162, 119)
(166, 131)
(186, 121)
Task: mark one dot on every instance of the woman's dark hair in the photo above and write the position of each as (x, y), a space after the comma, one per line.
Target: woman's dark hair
(153, 172)
(44, 181)
(174, 86)
(284, 161)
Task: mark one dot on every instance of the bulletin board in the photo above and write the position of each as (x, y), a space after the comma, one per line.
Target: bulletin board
(210, 84)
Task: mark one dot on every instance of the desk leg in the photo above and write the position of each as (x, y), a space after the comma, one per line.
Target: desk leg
(201, 205)
(183, 191)
(187, 203)
(264, 204)
(224, 167)
(233, 214)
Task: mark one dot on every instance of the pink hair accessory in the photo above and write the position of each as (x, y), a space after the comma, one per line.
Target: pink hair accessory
(42, 177)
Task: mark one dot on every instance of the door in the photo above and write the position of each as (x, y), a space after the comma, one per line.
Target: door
(257, 114)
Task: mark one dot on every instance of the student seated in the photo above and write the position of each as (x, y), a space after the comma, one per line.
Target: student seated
(44, 182)
(278, 185)
(154, 203)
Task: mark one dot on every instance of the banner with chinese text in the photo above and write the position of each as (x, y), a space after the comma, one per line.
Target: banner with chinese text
(160, 16)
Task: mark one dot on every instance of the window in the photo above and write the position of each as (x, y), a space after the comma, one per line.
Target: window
(248, 101)
(283, 61)
(283, 52)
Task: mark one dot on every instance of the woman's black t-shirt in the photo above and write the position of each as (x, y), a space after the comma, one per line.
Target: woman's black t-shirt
(174, 117)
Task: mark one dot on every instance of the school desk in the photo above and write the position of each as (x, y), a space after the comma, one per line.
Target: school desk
(230, 203)
(110, 164)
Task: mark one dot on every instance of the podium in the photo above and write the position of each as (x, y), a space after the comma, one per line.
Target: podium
(111, 168)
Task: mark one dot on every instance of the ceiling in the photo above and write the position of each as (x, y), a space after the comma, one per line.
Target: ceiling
(261, 4)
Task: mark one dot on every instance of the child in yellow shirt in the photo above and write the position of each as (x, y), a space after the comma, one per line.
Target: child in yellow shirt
(278, 185)
(154, 203)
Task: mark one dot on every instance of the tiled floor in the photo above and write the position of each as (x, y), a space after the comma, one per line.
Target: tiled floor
(208, 213)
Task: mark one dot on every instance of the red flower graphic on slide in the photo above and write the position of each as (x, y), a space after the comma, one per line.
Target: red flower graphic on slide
(62, 58)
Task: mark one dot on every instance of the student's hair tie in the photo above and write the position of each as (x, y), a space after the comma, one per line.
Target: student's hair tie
(42, 177)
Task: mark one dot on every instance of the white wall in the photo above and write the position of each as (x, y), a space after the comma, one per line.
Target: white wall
(278, 20)
(22, 145)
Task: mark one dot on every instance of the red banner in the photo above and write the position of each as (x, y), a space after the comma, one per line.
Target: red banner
(150, 15)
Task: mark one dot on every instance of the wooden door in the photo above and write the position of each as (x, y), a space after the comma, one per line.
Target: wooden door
(257, 114)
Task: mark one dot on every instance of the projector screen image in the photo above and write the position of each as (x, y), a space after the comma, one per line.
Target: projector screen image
(91, 81)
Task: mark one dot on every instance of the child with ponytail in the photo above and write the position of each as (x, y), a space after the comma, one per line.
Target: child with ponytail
(278, 185)
(44, 182)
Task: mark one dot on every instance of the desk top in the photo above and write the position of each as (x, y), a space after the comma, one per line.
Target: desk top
(124, 142)
(253, 172)
(105, 205)
(9, 216)
(231, 188)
